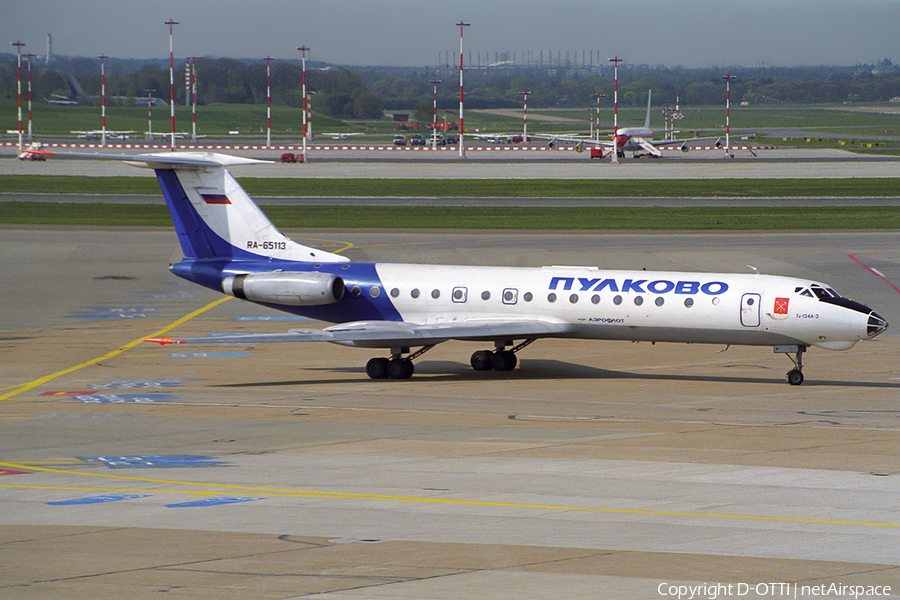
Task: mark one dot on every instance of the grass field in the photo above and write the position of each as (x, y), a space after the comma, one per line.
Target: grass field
(436, 216)
(480, 188)
(218, 120)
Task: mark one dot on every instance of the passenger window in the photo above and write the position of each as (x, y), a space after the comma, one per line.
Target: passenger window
(617, 300)
(551, 297)
(660, 301)
(688, 302)
(414, 293)
(595, 299)
(528, 297)
(573, 298)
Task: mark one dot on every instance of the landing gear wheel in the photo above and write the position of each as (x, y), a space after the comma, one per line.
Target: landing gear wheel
(482, 361)
(400, 368)
(795, 376)
(504, 360)
(377, 368)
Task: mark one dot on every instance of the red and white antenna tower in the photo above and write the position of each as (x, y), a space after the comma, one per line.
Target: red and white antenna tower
(525, 115)
(18, 46)
(434, 84)
(304, 50)
(728, 79)
(615, 148)
(28, 57)
(171, 24)
(102, 58)
(268, 60)
(462, 147)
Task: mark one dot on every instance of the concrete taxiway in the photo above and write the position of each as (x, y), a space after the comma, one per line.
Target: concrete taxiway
(594, 470)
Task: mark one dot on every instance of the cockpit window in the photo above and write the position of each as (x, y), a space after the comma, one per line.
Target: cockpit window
(823, 293)
(803, 292)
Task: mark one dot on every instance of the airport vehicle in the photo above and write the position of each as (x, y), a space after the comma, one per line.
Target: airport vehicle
(399, 140)
(230, 246)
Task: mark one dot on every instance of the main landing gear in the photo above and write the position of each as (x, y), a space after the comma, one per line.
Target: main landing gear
(401, 367)
(395, 367)
(500, 359)
(795, 375)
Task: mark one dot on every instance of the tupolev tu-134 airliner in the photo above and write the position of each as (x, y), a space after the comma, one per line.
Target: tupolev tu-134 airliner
(230, 246)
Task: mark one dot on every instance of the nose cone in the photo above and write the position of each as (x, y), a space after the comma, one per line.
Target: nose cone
(876, 325)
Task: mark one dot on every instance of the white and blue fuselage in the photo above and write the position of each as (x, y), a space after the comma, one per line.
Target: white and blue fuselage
(230, 246)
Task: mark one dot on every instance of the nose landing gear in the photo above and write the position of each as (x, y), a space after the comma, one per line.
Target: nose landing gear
(795, 375)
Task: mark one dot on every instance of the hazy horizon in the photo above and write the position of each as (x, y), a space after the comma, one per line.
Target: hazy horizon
(420, 33)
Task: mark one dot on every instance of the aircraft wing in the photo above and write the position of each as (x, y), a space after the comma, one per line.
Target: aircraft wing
(683, 143)
(388, 334)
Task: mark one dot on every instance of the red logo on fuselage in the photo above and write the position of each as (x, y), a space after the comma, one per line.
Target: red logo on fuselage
(781, 306)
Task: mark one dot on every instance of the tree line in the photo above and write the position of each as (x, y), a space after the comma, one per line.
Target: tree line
(367, 92)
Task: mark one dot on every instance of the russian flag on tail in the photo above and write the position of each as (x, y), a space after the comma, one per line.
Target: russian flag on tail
(215, 198)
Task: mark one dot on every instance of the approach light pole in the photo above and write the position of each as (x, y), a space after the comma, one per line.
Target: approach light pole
(28, 57)
(304, 50)
(171, 24)
(102, 58)
(615, 146)
(598, 97)
(525, 115)
(462, 147)
(434, 84)
(192, 92)
(150, 115)
(268, 60)
(728, 79)
(18, 46)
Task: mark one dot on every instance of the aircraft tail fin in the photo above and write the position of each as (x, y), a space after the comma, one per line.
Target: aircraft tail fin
(213, 215)
(647, 118)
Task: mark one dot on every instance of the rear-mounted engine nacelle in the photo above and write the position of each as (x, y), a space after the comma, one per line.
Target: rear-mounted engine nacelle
(291, 289)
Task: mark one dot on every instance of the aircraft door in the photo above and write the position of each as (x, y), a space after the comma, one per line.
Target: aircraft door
(750, 310)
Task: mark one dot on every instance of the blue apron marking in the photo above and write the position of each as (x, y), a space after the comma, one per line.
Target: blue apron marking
(124, 398)
(154, 462)
(98, 499)
(212, 502)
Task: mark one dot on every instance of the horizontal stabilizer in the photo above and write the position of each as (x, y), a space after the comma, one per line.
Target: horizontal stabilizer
(163, 160)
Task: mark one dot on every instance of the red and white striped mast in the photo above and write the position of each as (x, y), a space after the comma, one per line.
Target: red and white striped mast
(615, 148)
(268, 102)
(728, 79)
(190, 75)
(102, 100)
(150, 114)
(524, 94)
(18, 46)
(434, 84)
(304, 50)
(597, 96)
(28, 57)
(171, 24)
(462, 147)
